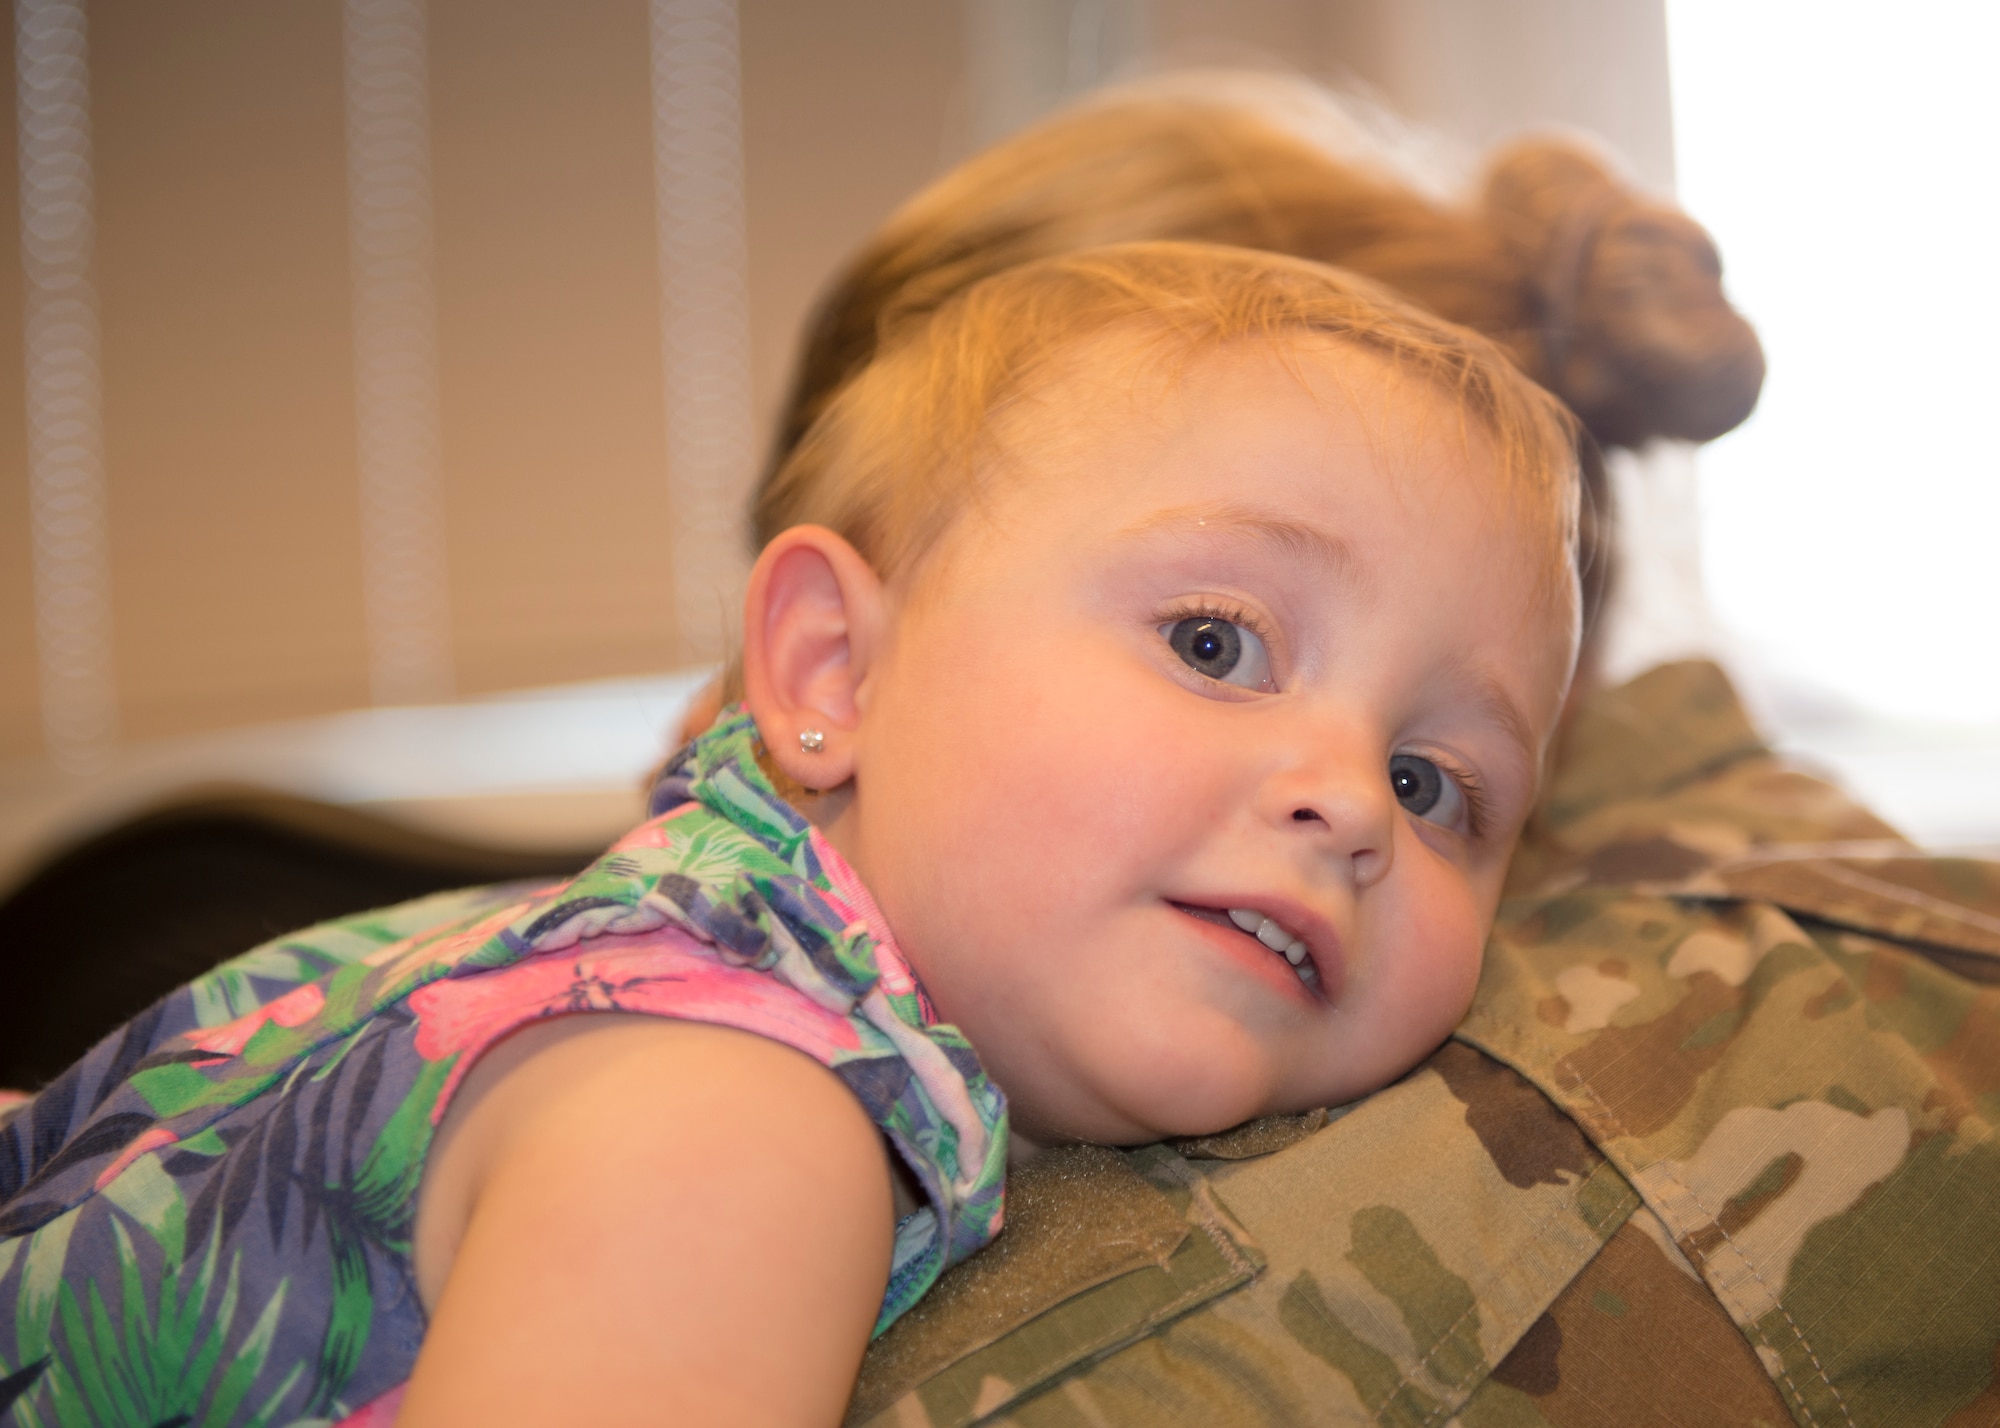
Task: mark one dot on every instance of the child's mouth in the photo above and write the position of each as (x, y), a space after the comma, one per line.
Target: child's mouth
(1266, 930)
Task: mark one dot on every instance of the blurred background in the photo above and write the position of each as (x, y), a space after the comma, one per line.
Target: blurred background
(383, 378)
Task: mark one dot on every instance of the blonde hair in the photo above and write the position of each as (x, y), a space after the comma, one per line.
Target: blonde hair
(904, 447)
(1605, 295)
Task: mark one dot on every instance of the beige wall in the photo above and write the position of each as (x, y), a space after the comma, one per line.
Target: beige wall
(549, 341)
(846, 112)
(224, 289)
(20, 714)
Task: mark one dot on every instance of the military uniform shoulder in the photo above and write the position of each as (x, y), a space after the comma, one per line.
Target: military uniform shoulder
(1780, 1021)
(1664, 777)
(1718, 1130)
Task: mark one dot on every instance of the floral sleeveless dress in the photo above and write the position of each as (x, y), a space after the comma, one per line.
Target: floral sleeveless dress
(208, 1219)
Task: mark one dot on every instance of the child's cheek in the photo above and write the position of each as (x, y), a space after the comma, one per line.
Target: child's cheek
(1423, 977)
(1086, 781)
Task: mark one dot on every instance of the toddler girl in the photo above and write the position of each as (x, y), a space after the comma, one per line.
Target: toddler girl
(1140, 704)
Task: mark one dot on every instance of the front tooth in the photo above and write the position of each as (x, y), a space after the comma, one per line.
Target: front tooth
(1246, 918)
(1272, 935)
(1295, 952)
(1308, 973)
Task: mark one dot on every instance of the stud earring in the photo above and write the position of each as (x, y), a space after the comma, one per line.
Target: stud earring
(811, 741)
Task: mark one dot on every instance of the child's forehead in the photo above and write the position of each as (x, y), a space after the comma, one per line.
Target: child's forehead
(1152, 385)
(1147, 399)
(1151, 373)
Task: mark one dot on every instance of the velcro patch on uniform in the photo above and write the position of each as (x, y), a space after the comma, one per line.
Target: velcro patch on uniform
(1092, 1256)
(1266, 1135)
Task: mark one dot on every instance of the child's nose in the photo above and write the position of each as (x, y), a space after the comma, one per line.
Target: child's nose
(1342, 800)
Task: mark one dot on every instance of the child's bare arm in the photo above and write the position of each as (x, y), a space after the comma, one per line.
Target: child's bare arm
(663, 1222)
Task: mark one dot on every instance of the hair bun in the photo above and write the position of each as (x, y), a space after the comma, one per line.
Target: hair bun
(1632, 326)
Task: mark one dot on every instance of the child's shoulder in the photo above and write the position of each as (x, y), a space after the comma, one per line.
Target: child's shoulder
(707, 1209)
(578, 1115)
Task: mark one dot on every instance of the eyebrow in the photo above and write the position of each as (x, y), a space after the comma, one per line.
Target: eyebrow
(1230, 519)
(1491, 700)
(1486, 695)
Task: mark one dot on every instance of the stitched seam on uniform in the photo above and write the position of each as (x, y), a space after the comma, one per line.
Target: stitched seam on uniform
(1603, 1119)
(1117, 1337)
(1750, 1264)
(1797, 1333)
(1790, 1322)
(1223, 1242)
(1424, 1361)
(1555, 1212)
(1206, 1221)
(1784, 1373)
(1912, 898)
(1100, 1347)
(1604, 1114)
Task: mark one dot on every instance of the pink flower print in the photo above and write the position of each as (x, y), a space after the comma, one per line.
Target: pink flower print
(151, 1138)
(294, 1008)
(665, 972)
(452, 948)
(895, 975)
(298, 1006)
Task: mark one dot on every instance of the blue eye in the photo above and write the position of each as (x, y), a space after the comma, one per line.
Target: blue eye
(1426, 790)
(1221, 650)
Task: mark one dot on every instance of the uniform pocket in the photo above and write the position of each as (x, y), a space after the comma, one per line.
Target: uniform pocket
(1095, 1255)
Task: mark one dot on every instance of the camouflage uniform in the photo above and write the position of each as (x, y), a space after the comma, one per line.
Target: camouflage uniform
(1714, 1146)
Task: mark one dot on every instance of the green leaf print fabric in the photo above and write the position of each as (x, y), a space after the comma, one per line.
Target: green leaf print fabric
(207, 1220)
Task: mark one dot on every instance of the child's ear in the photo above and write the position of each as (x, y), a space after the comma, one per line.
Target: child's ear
(809, 623)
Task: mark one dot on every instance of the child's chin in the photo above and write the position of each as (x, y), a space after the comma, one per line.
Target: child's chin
(1132, 1125)
(1207, 1113)
(1156, 1086)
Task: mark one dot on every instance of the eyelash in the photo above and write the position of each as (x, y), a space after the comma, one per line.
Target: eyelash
(1208, 608)
(1478, 806)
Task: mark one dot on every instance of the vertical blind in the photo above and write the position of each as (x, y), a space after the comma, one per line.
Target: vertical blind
(375, 350)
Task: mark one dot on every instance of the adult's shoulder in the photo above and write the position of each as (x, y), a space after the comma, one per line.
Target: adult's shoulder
(1780, 1021)
(1723, 1098)
(1445, 1248)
